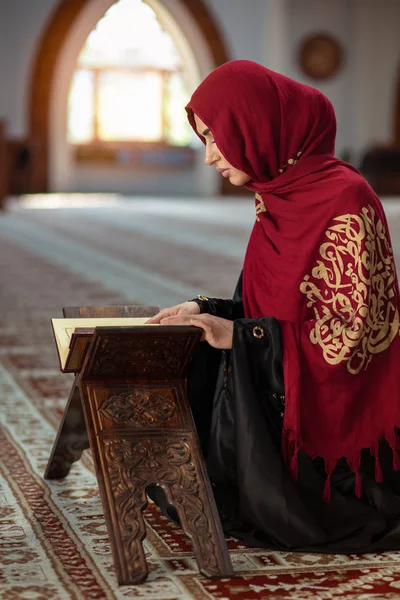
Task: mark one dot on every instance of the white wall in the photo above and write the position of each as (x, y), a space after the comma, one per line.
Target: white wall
(244, 24)
(22, 23)
(363, 92)
(337, 19)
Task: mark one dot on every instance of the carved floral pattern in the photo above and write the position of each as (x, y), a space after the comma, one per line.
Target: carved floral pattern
(141, 356)
(133, 465)
(141, 407)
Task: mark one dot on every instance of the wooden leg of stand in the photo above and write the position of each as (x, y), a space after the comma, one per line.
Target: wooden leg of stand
(192, 496)
(124, 498)
(175, 463)
(71, 440)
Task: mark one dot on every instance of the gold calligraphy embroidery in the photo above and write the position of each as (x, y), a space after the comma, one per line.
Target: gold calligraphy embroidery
(260, 207)
(291, 161)
(353, 292)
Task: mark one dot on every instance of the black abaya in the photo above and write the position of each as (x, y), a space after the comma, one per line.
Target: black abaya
(238, 414)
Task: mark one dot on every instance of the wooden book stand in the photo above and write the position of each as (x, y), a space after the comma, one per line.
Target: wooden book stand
(129, 405)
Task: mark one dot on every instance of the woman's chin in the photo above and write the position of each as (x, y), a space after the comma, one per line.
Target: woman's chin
(238, 180)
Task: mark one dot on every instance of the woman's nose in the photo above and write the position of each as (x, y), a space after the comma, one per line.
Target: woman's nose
(211, 155)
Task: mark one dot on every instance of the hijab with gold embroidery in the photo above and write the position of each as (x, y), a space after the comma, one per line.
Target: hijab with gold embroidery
(319, 260)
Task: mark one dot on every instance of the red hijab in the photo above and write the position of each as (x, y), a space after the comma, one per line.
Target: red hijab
(319, 260)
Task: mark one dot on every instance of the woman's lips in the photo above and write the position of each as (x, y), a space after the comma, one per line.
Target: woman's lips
(224, 172)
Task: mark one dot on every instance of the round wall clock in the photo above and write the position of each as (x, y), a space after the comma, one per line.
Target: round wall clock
(320, 56)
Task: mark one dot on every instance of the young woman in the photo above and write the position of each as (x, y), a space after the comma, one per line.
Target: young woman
(302, 445)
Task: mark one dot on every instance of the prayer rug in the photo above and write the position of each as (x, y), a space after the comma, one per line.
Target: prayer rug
(53, 541)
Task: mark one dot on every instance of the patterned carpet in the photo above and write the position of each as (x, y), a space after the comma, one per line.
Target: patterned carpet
(53, 542)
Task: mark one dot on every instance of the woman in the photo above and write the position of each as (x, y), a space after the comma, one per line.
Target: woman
(302, 449)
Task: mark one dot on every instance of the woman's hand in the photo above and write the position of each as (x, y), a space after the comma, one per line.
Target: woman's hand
(216, 331)
(186, 308)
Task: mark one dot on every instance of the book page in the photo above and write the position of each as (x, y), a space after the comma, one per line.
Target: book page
(64, 328)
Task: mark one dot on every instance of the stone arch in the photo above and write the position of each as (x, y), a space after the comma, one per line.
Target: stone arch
(191, 15)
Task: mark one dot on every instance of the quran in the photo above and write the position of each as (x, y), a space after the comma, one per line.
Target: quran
(73, 337)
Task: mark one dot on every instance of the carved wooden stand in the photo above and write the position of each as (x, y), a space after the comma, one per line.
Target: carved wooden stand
(132, 395)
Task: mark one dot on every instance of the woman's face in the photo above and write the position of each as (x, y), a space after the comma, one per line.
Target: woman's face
(214, 157)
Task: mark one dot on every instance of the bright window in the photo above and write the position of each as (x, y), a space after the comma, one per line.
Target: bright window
(129, 85)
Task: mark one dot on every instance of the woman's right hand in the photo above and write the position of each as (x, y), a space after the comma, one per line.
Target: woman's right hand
(186, 308)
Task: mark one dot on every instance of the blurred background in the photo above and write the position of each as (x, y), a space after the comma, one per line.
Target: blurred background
(93, 91)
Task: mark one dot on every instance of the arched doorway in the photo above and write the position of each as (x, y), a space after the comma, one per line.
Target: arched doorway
(65, 34)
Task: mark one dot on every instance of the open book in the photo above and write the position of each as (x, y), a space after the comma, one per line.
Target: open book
(73, 336)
